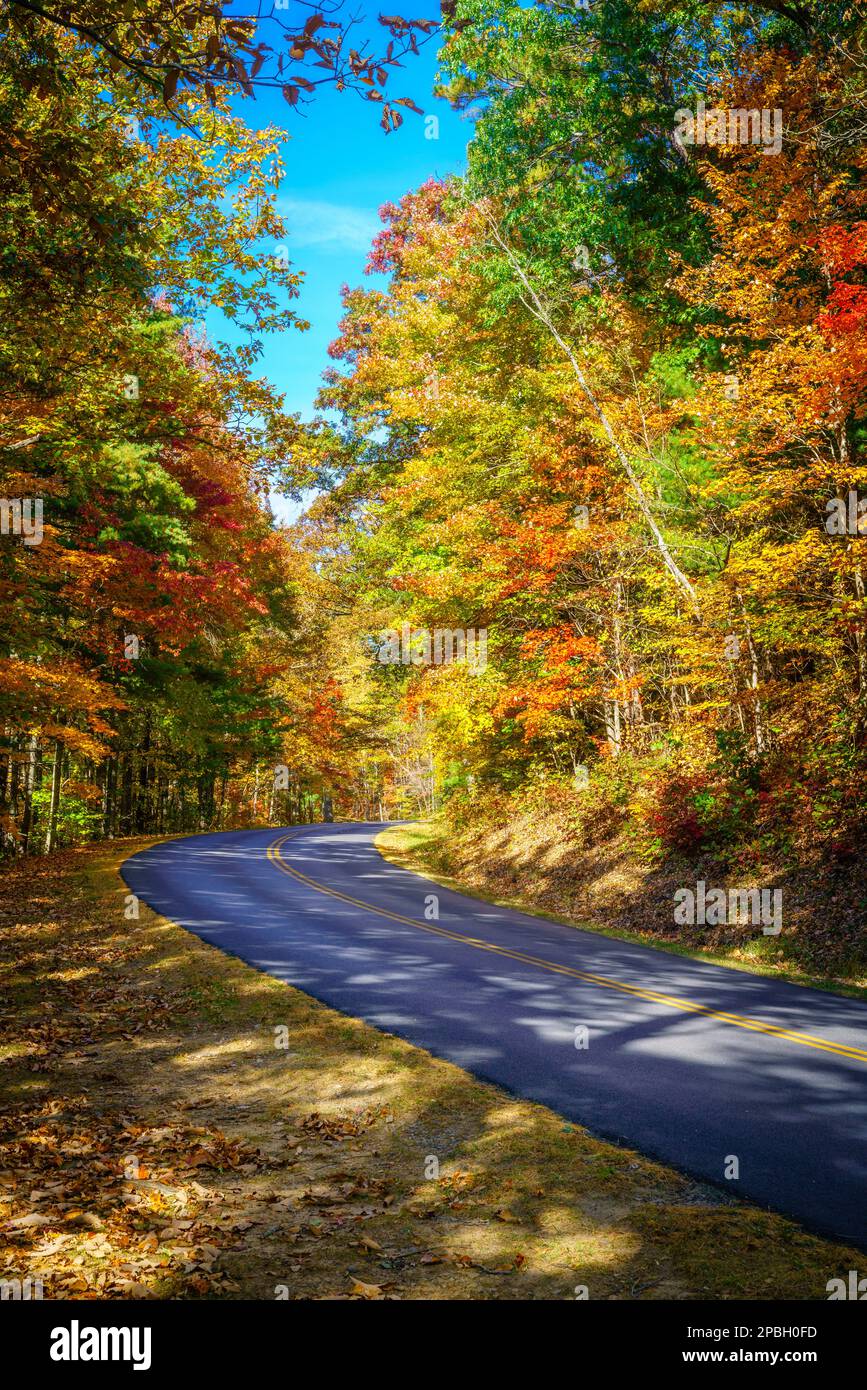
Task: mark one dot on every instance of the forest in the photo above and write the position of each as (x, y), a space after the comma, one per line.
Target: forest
(607, 412)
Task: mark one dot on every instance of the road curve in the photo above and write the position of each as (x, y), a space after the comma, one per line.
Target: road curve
(690, 1063)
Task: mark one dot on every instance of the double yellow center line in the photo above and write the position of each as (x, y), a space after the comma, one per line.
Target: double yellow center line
(754, 1025)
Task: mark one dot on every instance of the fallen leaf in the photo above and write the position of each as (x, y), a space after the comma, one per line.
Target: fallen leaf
(362, 1290)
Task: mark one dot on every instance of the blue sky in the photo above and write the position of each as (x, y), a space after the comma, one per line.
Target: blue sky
(340, 168)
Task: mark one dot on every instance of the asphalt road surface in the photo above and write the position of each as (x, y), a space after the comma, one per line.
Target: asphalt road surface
(690, 1063)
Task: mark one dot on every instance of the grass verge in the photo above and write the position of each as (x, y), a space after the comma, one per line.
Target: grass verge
(177, 1125)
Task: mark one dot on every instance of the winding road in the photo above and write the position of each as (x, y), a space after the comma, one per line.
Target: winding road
(693, 1064)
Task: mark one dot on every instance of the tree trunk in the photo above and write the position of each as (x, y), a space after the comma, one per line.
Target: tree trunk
(54, 809)
(28, 819)
(543, 315)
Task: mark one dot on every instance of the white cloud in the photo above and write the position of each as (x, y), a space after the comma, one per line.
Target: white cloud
(329, 226)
